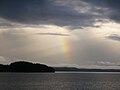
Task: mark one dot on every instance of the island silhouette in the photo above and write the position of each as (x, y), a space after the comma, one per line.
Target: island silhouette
(28, 67)
(22, 66)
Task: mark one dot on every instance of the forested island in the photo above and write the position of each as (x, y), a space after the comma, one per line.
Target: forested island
(22, 66)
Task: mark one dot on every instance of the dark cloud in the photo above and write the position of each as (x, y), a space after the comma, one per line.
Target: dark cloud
(112, 6)
(114, 37)
(73, 14)
(56, 34)
(19, 10)
(45, 12)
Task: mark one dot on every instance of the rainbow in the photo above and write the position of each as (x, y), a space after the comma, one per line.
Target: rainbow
(65, 48)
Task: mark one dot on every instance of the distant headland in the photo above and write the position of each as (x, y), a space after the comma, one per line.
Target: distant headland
(22, 66)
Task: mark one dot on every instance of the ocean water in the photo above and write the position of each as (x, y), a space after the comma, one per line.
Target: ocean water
(60, 81)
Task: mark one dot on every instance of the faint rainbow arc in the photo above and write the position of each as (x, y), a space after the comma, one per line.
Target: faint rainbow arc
(66, 49)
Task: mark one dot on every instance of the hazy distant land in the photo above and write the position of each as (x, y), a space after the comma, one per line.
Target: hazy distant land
(73, 69)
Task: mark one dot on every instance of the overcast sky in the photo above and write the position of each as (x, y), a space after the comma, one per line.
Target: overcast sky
(76, 33)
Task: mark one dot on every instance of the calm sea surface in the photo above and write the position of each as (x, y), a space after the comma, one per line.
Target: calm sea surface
(60, 81)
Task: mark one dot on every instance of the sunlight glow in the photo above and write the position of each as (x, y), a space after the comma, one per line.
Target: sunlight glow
(106, 29)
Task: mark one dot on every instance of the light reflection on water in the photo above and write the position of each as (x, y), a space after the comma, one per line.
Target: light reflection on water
(60, 81)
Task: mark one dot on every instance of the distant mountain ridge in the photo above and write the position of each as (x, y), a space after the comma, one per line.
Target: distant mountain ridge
(22, 66)
(74, 69)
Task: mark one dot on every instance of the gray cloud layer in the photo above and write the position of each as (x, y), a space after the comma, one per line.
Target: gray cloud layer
(114, 37)
(69, 13)
(56, 34)
(113, 7)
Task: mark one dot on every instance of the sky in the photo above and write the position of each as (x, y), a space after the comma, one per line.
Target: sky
(72, 33)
